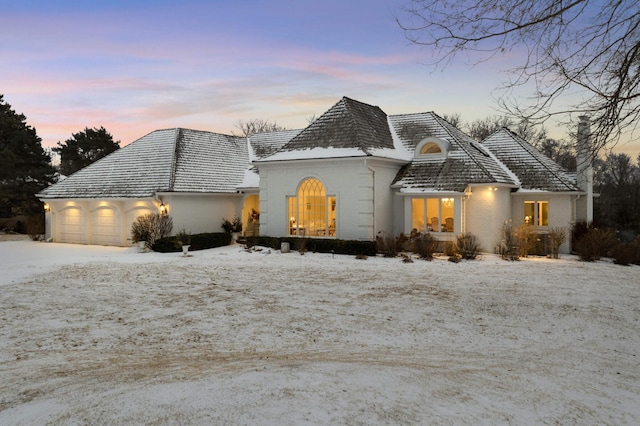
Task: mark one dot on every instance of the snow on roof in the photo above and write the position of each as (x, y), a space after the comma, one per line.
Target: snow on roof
(262, 145)
(348, 129)
(162, 161)
(534, 170)
(466, 163)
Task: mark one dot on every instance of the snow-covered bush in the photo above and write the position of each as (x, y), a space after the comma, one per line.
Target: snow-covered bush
(468, 246)
(150, 228)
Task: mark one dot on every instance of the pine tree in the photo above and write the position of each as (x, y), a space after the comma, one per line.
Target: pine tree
(25, 167)
(83, 148)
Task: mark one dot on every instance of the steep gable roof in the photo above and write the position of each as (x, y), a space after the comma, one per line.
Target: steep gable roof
(162, 161)
(534, 170)
(467, 161)
(348, 129)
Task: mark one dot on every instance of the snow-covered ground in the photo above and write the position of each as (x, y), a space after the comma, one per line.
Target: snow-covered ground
(99, 335)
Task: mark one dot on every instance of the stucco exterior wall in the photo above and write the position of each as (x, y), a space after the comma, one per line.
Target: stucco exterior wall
(198, 213)
(561, 211)
(486, 209)
(364, 200)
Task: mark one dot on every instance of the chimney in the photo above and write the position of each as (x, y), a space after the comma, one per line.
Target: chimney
(584, 204)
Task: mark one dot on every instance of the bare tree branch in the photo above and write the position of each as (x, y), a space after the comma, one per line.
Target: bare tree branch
(585, 51)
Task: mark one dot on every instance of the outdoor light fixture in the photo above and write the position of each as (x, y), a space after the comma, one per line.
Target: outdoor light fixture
(163, 209)
(47, 208)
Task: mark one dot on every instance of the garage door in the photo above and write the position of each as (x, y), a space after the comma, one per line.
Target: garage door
(106, 228)
(73, 227)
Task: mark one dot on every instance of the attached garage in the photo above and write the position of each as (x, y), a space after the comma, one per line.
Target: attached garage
(106, 226)
(191, 175)
(73, 225)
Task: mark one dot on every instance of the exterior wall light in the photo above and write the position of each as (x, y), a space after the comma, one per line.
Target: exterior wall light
(163, 209)
(47, 208)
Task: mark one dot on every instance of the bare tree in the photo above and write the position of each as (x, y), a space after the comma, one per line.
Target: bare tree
(454, 119)
(255, 125)
(578, 49)
(483, 127)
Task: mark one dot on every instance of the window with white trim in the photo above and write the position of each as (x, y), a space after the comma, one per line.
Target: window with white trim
(433, 214)
(311, 212)
(536, 213)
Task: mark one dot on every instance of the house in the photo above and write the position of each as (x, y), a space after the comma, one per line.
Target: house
(351, 174)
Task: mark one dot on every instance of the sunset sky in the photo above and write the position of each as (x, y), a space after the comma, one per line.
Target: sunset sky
(134, 66)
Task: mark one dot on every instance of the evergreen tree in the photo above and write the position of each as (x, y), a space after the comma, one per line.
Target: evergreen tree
(83, 148)
(25, 167)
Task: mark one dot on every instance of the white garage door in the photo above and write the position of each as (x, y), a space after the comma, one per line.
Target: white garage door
(106, 228)
(73, 227)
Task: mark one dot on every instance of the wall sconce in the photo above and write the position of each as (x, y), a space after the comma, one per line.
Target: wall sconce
(163, 209)
(493, 188)
(47, 208)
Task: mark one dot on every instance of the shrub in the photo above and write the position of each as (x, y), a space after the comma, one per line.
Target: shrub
(184, 238)
(209, 240)
(35, 226)
(322, 245)
(624, 253)
(425, 245)
(527, 240)
(198, 242)
(167, 245)
(387, 244)
(508, 247)
(595, 244)
(468, 246)
(557, 237)
(233, 225)
(150, 228)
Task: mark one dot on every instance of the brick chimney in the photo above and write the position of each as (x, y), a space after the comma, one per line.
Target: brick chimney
(584, 204)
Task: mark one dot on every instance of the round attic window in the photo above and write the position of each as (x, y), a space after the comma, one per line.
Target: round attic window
(432, 147)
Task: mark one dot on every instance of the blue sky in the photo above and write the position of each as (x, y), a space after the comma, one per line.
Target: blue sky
(139, 65)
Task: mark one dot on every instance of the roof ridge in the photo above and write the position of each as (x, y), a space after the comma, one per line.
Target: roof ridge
(353, 121)
(537, 155)
(462, 145)
(177, 140)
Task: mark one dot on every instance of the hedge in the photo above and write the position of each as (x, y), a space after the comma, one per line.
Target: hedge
(198, 242)
(321, 245)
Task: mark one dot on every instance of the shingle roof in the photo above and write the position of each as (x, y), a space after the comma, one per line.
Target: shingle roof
(534, 170)
(265, 144)
(466, 163)
(162, 161)
(349, 128)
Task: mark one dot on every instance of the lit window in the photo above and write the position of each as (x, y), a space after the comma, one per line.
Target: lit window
(430, 148)
(311, 212)
(536, 213)
(432, 214)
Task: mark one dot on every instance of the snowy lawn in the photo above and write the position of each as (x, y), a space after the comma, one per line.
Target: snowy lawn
(94, 335)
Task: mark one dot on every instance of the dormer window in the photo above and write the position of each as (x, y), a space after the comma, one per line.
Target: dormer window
(432, 147)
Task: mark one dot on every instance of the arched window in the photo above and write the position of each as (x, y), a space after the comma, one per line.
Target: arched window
(311, 212)
(430, 148)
